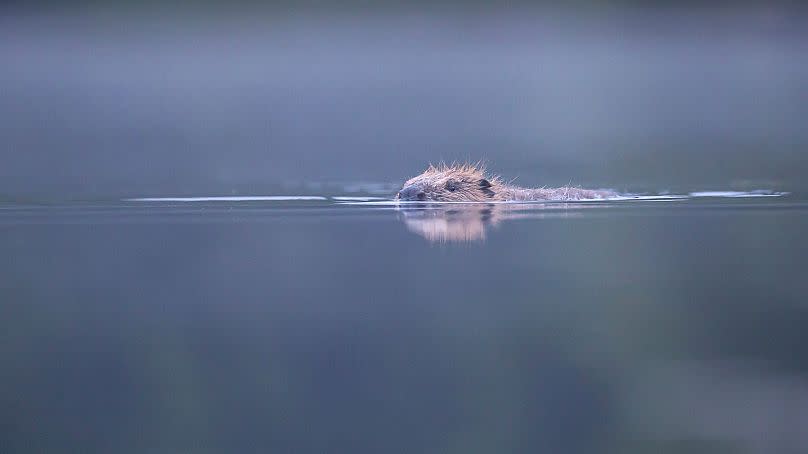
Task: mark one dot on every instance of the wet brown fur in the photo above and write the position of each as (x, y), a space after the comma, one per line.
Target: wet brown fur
(469, 183)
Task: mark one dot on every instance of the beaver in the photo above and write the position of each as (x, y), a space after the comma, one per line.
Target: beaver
(469, 183)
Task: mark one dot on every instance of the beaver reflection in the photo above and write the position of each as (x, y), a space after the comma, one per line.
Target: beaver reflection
(468, 222)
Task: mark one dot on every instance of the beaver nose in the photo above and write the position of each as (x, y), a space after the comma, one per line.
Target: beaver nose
(411, 193)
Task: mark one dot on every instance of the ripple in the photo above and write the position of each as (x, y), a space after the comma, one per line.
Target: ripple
(271, 198)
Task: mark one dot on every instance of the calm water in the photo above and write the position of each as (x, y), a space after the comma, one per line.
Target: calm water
(317, 326)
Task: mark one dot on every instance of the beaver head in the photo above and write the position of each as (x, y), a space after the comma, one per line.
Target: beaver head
(451, 183)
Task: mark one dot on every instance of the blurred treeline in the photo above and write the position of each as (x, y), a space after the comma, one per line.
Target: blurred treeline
(214, 98)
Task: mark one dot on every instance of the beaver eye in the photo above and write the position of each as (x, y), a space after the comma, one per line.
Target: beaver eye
(452, 185)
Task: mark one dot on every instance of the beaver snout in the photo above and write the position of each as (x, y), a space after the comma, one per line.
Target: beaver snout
(411, 193)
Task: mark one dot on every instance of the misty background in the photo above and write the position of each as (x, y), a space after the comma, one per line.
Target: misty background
(314, 326)
(112, 100)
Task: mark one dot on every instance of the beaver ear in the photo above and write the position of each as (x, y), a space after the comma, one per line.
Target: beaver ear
(484, 185)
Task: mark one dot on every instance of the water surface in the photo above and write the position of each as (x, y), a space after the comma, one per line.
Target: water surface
(324, 326)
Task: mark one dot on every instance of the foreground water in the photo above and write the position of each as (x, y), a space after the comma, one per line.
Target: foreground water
(336, 325)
